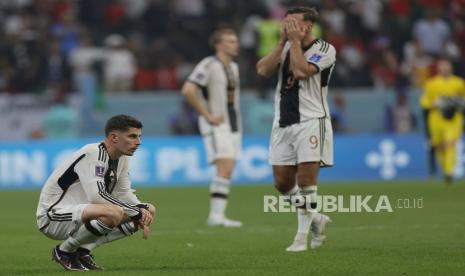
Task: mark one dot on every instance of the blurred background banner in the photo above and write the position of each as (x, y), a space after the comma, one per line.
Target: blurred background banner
(180, 161)
(67, 66)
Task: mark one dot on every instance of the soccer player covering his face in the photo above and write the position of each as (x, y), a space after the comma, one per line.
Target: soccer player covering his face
(301, 137)
(217, 77)
(88, 201)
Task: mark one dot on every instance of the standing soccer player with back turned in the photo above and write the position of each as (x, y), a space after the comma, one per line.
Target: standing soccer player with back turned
(219, 122)
(88, 201)
(301, 137)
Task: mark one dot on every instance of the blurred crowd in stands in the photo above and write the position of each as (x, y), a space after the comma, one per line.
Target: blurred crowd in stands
(139, 45)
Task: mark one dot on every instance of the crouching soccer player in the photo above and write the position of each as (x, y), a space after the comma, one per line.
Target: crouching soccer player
(88, 200)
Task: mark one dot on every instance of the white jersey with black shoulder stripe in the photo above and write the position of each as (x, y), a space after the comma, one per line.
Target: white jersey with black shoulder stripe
(220, 86)
(299, 100)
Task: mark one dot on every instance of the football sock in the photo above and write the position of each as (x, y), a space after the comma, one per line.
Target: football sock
(219, 191)
(86, 233)
(305, 215)
(122, 231)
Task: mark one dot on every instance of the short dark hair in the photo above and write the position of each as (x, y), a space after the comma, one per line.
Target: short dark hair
(122, 123)
(215, 38)
(310, 14)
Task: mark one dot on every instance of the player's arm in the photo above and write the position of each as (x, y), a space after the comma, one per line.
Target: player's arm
(299, 66)
(91, 171)
(267, 65)
(428, 98)
(199, 78)
(189, 91)
(123, 189)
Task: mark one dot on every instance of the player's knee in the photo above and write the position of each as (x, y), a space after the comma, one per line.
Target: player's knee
(115, 215)
(225, 172)
(282, 186)
(306, 179)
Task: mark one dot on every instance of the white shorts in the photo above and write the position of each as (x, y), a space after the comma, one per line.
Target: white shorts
(309, 141)
(221, 143)
(61, 221)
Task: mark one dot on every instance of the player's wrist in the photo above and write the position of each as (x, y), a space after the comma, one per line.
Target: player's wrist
(296, 42)
(142, 206)
(137, 217)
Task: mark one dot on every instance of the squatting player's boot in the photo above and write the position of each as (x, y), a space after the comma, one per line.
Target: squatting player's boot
(87, 259)
(69, 261)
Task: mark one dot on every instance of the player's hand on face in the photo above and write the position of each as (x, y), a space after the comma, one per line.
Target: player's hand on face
(293, 30)
(282, 33)
(215, 119)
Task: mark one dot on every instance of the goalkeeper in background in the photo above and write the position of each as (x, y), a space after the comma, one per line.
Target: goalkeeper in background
(444, 98)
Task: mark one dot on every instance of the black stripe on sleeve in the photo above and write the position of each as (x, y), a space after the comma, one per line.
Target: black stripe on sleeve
(108, 197)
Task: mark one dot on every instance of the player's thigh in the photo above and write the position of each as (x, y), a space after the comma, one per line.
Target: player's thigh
(284, 177)
(221, 143)
(281, 150)
(110, 214)
(310, 140)
(307, 173)
(63, 220)
(436, 127)
(228, 144)
(452, 132)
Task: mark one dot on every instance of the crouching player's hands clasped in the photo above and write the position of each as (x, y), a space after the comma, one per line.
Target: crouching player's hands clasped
(145, 221)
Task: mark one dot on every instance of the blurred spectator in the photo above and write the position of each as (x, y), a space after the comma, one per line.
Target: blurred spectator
(25, 56)
(399, 117)
(184, 122)
(119, 65)
(356, 28)
(155, 19)
(432, 32)
(58, 70)
(66, 31)
(338, 114)
(61, 121)
(416, 65)
(385, 66)
(267, 32)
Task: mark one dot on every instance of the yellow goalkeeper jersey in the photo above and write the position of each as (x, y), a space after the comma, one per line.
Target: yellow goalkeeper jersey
(440, 86)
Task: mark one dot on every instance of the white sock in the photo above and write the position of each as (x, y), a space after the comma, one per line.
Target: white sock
(86, 233)
(122, 231)
(304, 219)
(219, 191)
(304, 216)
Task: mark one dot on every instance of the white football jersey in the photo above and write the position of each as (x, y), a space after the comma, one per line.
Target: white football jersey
(299, 100)
(220, 90)
(89, 176)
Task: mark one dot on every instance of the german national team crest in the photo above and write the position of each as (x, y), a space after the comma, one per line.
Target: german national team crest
(315, 58)
(99, 171)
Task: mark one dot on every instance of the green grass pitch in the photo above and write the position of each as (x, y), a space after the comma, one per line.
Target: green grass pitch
(426, 241)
